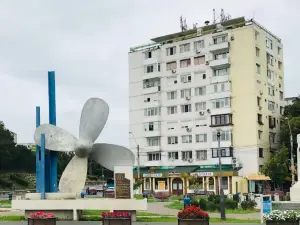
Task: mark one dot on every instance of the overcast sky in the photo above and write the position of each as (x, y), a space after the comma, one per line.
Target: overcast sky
(87, 44)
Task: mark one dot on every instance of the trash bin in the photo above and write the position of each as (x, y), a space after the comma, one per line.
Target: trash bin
(10, 196)
(145, 195)
(186, 202)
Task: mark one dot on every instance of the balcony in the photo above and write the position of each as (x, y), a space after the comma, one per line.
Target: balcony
(219, 47)
(219, 63)
(149, 90)
(154, 133)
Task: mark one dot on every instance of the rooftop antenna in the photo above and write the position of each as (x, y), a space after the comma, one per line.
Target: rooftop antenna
(214, 12)
(183, 24)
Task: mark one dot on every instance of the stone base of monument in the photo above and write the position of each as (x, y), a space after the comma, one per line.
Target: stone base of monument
(50, 196)
(295, 192)
(70, 209)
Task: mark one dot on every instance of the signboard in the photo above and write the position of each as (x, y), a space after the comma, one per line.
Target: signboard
(122, 186)
(161, 185)
(203, 174)
(152, 175)
(173, 174)
(266, 205)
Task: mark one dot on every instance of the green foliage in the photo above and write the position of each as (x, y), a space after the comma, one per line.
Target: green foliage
(277, 167)
(248, 204)
(231, 204)
(194, 202)
(137, 184)
(211, 206)
(203, 204)
(5, 183)
(18, 180)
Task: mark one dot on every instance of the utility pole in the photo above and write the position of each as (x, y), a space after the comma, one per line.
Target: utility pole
(138, 161)
(292, 155)
(222, 205)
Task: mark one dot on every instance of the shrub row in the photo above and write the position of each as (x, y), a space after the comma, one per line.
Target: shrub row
(250, 204)
(213, 203)
(19, 180)
(5, 183)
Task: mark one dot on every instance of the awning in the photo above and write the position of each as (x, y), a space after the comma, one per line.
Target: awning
(258, 177)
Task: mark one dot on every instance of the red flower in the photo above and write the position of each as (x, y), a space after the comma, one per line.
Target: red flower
(41, 215)
(116, 215)
(192, 212)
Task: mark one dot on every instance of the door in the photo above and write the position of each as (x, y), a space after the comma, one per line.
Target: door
(177, 186)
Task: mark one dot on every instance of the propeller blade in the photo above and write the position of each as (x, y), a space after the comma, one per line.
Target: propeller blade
(74, 176)
(93, 118)
(56, 138)
(108, 155)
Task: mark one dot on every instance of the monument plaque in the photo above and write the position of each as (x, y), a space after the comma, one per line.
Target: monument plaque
(122, 186)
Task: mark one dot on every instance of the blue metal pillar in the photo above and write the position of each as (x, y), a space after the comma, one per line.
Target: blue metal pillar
(52, 120)
(37, 151)
(42, 172)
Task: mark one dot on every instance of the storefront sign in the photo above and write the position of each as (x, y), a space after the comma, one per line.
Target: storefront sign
(122, 186)
(203, 174)
(173, 174)
(152, 175)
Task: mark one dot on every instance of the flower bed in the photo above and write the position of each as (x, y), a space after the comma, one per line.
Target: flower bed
(116, 218)
(287, 217)
(193, 215)
(41, 218)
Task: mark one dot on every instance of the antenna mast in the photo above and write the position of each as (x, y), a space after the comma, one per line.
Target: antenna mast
(183, 24)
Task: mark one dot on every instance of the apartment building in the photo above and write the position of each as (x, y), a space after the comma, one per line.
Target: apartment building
(186, 87)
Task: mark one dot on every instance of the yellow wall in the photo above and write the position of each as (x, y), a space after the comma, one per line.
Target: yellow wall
(242, 185)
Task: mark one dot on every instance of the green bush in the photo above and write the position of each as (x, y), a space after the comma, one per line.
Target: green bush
(203, 203)
(248, 204)
(236, 197)
(230, 204)
(194, 202)
(5, 183)
(92, 177)
(211, 198)
(18, 180)
(211, 206)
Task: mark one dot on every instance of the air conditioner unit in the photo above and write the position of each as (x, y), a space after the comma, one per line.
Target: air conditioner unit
(198, 51)
(188, 97)
(173, 71)
(260, 108)
(208, 110)
(232, 38)
(188, 129)
(261, 92)
(190, 160)
(201, 113)
(233, 160)
(207, 63)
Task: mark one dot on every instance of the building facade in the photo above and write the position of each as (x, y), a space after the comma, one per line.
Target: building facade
(186, 87)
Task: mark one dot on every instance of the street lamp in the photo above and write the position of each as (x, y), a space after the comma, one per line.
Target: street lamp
(292, 154)
(222, 205)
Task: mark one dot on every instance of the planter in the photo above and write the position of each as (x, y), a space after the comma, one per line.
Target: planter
(270, 222)
(116, 221)
(193, 221)
(49, 221)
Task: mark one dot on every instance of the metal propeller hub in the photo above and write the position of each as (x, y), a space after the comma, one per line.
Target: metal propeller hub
(83, 148)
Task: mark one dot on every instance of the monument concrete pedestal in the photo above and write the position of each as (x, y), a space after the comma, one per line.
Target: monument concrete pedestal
(295, 192)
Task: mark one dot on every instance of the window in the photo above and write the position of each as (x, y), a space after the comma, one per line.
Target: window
(271, 90)
(172, 95)
(185, 47)
(257, 68)
(200, 91)
(259, 119)
(272, 122)
(172, 110)
(148, 55)
(260, 135)
(272, 138)
(281, 110)
(161, 184)
(185, 63)
(221, 87)
(270, 75)
(185, 93)
(200, 106)
(221, 120)
(199, 44)
(201, 155)
(220, 39)
(199, 60)
(221, 103)
(152, 126)
(278, 50)
(225, 135)
(281, 95)
(153, 82)
(279, 65)
(222, 55)
(271, 106)
(149, 69)
(171, 50)
(186, 139)
(258, 101)
(147, 184)
(172, 140)
(172, 155)
(211, 183)
(186, 108)
(225, 152)
(152, 111)
(154, 156)
(171, 65)
(225, 183)
(270, 59)
(221, 72)
(257, 51)
(269, 43)
(153, 141)
(152, 68)
(186, 155)
(201, 138)
(256, 35)
(186, 78)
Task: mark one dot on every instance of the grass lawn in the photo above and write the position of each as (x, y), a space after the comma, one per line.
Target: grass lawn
(179, 206)
(5, 203)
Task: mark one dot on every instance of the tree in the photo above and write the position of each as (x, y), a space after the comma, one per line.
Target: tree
(277, 167)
